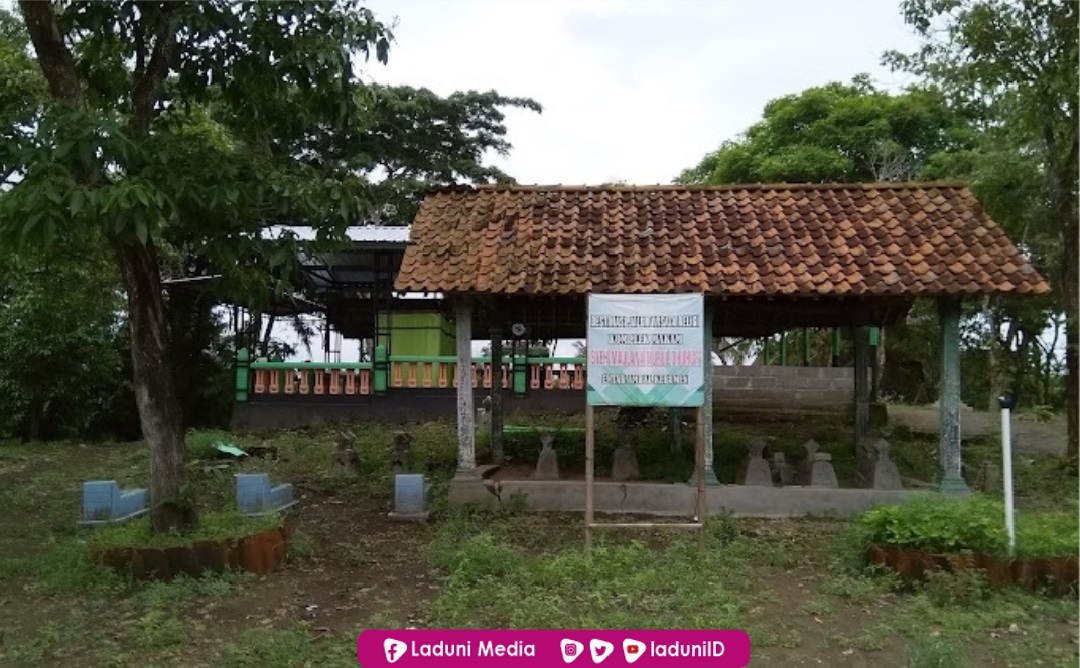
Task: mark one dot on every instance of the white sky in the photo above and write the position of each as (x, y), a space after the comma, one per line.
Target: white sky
(633, 90)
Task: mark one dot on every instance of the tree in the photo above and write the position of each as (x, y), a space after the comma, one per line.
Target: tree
(59, 357)
(411, 139)
(844, 133)
(174, 123)
(1015, 64)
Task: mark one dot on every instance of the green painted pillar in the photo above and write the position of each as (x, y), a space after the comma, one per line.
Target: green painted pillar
(805, 347)
(768, 350)
(835, 346)
(521, 373)
(783, 348)
(710, 472)
(952, 479)
(243, 374)
(381, 370)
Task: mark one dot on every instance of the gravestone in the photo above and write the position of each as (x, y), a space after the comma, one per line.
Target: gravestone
(400, 452)
(343, 459)
(412, 495)
(782, 472)
(822, 474)
(806, 465)
(991, 478)
(758, 472)
(625, 466)
(255, 496)
(886, 476)
(547, 464)
(105, 503)
(755, 449)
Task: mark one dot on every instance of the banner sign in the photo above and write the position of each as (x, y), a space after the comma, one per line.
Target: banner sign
(429, 648)
(646, 350)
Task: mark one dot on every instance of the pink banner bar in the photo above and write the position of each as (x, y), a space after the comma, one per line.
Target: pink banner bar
(540, 649)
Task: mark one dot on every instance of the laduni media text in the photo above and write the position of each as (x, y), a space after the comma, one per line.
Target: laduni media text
(420, 648)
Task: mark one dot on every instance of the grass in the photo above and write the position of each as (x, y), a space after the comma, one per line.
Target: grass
(798, 587)
(213, 526)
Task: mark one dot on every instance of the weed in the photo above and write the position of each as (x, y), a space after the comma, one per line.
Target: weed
(212, 526)
(964, 588)
(931, 652)
(301, 545)
(286, 648)
(158, 629)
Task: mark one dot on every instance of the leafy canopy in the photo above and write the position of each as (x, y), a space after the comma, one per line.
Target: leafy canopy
(837, 133)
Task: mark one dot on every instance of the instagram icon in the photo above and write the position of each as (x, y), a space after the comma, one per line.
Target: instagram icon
(571, 650)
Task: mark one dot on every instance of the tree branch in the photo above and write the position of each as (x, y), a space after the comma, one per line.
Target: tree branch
(147, 84)
(54, 57)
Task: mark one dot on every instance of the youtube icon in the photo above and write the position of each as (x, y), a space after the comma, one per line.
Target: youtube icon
(632, 650)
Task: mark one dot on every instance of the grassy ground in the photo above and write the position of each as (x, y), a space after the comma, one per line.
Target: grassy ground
(792, 584)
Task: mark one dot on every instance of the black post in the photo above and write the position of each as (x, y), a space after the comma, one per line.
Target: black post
(497, 452)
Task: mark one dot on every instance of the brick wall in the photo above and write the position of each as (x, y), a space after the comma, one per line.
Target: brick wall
(783, 387)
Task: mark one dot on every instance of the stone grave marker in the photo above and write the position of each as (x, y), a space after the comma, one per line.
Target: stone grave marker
(400, 452)
(886, 476)
(806, 465)
(343, 459)
(758, 471)
(547, 464)
(823, 474)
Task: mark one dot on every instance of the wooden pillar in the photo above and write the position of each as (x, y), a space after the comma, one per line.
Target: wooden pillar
(862, 386)
(875, 363)
(466, 413)
(705, 415)
(952, 480)
(497, 452)
(590, 452)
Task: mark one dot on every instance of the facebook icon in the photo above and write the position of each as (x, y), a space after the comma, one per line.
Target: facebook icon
(395, 649)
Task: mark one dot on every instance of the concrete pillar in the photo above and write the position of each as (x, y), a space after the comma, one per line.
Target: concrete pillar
(707, 408)
(952, 480)
(862, 387)
(466, 415)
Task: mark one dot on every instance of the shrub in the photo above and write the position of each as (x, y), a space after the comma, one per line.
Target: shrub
(977, 523)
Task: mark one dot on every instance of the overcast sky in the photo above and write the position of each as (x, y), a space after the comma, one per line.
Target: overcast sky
(634, 90)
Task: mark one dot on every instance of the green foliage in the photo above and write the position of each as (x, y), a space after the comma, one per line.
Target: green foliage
(837, 133)
(59, 328)
(935, 652)
(936, 524)
(212, 526)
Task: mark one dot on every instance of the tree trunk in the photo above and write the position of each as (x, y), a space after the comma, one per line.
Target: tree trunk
(155, 393)
(1072, 337)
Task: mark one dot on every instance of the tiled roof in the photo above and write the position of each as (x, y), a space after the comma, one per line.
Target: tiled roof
(889, 239)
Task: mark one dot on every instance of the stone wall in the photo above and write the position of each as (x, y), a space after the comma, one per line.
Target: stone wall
(783, 388)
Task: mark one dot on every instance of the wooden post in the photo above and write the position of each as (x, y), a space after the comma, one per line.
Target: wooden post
(497, 452)
(783, 348)
(700, 472)
(466, 415)
(706, 416)
(805, 347)
(590, 448)
(952, 479)
(875, 366)
(862, 388)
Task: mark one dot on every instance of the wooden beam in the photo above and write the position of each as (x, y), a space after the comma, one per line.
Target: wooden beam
(952, 479)
(466, 413)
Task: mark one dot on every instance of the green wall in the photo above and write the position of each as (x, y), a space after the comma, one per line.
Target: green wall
(417, 333)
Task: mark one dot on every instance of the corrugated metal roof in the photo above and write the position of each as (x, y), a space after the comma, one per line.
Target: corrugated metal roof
(396, 234)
